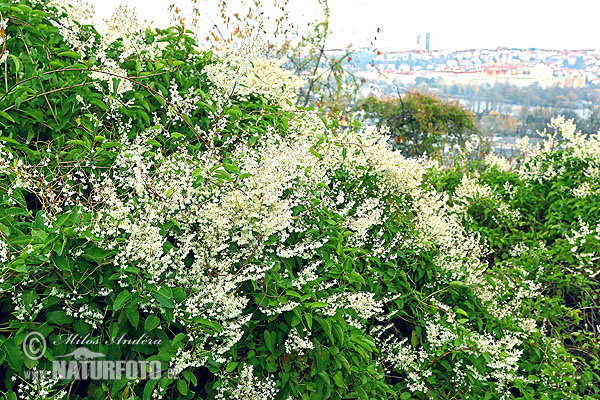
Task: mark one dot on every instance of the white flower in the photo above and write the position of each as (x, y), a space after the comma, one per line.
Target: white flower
(583, 190)
(246, 73)
(493, 160)
(3, 252)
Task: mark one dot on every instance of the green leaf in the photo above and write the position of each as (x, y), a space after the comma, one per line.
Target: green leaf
(58, 318)
(182, 386)
(14, 355)
(24, 7)
(190, 377)
(152, 321)
(108, 145)
(5, 230)
(308, 319)
(458, 284)
(231, 366)
(70, 54)
(153, 142)
(414, 338)
(133, 315)
(314, 153)
(326, 326)
(17, 265)
(63, 263)
(121, 299)
(149, 389)
(17, 62)
(357, 277)
(98, 103)
(362, 394)
(325, 377)
(270, 340)
(94, 254)
(7, 116)
(165, 297)
(459, 310)
(339, 379)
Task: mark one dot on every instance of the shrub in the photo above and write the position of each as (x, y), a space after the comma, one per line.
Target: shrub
(151, 190)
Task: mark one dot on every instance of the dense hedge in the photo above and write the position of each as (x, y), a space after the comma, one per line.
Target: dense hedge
(150, 189)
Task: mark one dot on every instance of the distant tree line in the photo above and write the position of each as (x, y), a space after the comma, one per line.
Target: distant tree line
(512, 110)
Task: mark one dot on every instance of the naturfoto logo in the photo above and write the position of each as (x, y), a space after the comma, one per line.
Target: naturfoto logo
(83, 363)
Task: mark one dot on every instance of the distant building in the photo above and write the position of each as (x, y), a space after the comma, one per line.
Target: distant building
(424, 43)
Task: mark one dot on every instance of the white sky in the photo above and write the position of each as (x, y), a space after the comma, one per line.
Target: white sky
(454, 24)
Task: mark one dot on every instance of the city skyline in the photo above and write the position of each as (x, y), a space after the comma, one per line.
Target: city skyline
(462, 24)
(519, 67)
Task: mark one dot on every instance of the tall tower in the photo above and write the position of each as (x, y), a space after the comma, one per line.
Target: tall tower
(427, 41)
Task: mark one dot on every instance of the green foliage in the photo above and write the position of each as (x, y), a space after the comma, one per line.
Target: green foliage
(551, 242)
(421, 123)
(349, 280)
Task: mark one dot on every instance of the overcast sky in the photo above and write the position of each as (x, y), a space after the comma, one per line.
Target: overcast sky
(454, 24)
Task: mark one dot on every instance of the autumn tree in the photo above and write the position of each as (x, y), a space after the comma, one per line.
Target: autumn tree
(421, 123)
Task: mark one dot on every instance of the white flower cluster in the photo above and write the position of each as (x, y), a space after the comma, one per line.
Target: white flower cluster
(75, 15)
(187, 219)
(538, 165)
(367, 214)
(125, 26)
(583, 190)
(363, 304)
(493, 160)
(76, 307)
(41, 386)
(245, 72)
(3, 39)
(512, 293)
(470, 189)
(502, 354)
(438, 334)
(147, 189)
(294, 344)
(23, 313)
(268, 79)
(184, 104)
(248, 387)
(518, 250)
(307, 274)
(398, 355)
(3, 252)
(586, 255)
(110, 69)
(122, 29)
